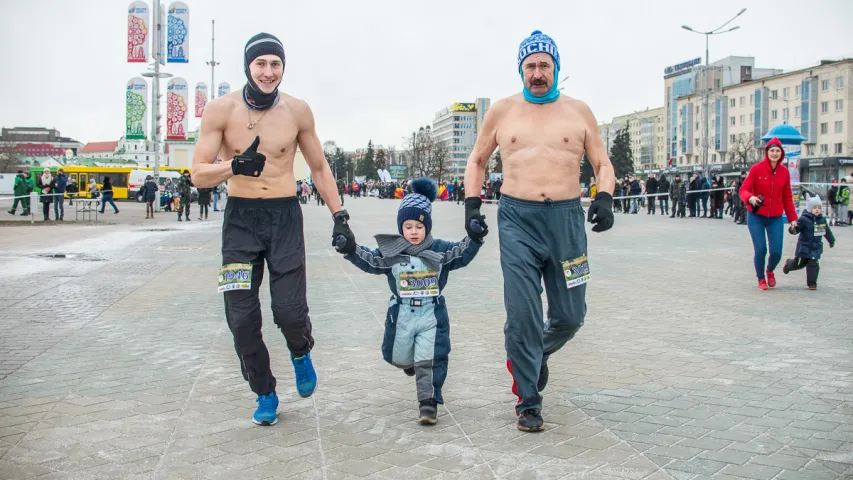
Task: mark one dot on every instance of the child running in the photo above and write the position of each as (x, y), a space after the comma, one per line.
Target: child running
(417, 328)
(812, 227)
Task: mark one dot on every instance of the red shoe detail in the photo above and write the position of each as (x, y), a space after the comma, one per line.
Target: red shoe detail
(771, 279)
(762, 284)
(514, 385)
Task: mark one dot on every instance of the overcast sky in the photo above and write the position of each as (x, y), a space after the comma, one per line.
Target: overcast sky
(379, 69)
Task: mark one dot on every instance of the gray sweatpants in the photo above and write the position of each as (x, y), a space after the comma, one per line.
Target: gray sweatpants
(540, 240)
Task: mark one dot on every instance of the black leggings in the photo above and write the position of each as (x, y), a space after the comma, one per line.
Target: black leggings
(202, 210)
(46, 210)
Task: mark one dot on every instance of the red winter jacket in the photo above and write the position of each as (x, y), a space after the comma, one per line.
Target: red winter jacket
(774, 184)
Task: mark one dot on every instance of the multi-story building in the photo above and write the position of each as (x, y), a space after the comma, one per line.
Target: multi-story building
(37, 142)
(815, 100)
(457, 126)
(645, 129)
(684, 126)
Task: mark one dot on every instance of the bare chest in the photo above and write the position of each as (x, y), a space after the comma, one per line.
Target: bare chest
(276, 129)
(558, 129)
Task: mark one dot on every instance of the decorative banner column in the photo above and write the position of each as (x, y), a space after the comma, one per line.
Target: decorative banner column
(138, 32)
(179, 40)
(224, 89)
(200, 98)
(177, 118)
(136, 105)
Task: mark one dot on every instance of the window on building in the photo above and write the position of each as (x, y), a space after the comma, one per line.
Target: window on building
(839, 127)
(797, 91)
(839, 82)
(751, 118)
(743, 119)
(696, 142)
(714, 158)
(838, 148)
(824, 85)
(774, 93)
(742, 101)
(134, 146)
(824, 149)
(751, 98)
(785, 114)
(810, 150)
(697, 126)
(824, 128)
(786, 92)
(824, 107)
(774, 115)
(733, 121)
(796, 112)
(839, 105)
(733, 103)
(717, 83)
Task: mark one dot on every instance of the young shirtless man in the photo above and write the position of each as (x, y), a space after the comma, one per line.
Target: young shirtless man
(263, 219)
(541, 136)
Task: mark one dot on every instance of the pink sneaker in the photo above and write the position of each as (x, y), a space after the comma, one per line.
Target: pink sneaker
(771, 279)
(762, 284)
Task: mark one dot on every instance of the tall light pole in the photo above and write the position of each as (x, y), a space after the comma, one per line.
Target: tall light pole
(717, 31)
(156, 75)
(213, 63)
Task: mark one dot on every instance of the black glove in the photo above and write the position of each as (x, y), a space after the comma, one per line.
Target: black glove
(475, 222)
(600, 213)
(249, 163)
(832, 245)
(793, 230)
(342, 237)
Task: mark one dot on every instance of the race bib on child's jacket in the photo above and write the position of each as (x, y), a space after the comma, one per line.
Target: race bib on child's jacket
(819, 229)
(418, 284)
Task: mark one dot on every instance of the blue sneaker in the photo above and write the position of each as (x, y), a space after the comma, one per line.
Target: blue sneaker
(306, 377)
(266, 413)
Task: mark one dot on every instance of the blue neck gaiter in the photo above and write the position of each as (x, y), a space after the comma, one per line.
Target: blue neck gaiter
(552, 95)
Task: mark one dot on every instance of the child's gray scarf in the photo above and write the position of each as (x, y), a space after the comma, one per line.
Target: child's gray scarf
(395, 248)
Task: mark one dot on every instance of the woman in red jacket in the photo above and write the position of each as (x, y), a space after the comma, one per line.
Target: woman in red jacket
(767, 194)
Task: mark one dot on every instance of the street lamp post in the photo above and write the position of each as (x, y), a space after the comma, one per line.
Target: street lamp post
(717, 31)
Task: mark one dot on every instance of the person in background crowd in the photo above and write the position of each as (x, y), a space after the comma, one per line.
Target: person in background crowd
(843, 200)
(61, 180)
(651, 190)
(718, 198)
(21, 191)
(73, 189)
(107, 192)
(663, 187)
(678, 194)
(204, 202)
(832, 199)
(149, 192)
(47, 183)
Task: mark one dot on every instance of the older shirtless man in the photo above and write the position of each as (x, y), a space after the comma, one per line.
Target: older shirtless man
(541, 136)
(263, 219)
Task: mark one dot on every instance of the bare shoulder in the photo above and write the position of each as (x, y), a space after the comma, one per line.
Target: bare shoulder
(298, 106)
(576, 104)
(499, 109)
(219, 109)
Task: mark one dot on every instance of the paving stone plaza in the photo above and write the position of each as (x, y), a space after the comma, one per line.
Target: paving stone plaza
(116, 362)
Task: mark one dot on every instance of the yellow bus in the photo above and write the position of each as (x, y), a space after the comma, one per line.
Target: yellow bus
(119, 177)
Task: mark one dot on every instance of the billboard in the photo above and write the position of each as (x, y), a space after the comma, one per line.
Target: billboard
(177, 118)
(178, 48)
(792, 158)
(136, 104)
(138, 28)
(161, 48)
(464, 107)
(398, 172)
(200, 98)
(682, 66)
(224, 89)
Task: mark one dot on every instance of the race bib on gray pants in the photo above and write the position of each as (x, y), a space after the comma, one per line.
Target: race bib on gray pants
(541, 240)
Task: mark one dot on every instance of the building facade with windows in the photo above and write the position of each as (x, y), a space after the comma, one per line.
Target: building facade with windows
(37, 142)
(815, 100)
(646, 130)
(457, 126)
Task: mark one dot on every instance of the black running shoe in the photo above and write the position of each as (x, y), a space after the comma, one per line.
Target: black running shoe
(409, 371)
(428, 413)
(543, 377)
(530, 420)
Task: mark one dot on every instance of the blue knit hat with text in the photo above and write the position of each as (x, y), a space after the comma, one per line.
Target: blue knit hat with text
(418, 204)
(538, 42)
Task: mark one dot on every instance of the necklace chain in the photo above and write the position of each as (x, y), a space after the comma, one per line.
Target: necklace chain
(252, 124)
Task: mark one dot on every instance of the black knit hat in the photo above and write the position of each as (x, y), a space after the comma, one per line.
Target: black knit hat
(260, 44)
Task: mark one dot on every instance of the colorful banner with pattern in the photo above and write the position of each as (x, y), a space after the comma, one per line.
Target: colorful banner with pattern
(200, 98)
(178, 47)
(177, 115)
(224, 89)
(136, 105)
(138, 28)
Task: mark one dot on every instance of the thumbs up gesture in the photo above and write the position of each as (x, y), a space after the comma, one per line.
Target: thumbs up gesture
(249, 163)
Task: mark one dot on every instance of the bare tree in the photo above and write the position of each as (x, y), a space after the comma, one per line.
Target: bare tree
(743, 152)
(10, 157)
(419, 149)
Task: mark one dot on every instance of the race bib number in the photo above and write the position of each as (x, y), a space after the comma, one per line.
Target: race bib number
(576, 271)
(819, 229)
(418, 284)
(235, 276)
